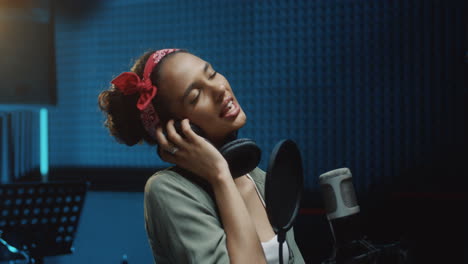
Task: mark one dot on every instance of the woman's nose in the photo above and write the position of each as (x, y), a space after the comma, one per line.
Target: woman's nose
(219, 92)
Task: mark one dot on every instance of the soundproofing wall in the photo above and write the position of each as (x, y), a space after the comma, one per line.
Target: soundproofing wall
(376, 86)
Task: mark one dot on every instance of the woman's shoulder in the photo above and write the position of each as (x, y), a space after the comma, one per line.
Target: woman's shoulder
(166, 178)
(163, 176)
(169, 184)
(169, 180)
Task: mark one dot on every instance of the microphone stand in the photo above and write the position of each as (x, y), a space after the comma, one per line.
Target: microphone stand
(281, 239)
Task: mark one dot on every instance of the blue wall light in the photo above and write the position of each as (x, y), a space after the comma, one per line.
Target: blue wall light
(44, 141)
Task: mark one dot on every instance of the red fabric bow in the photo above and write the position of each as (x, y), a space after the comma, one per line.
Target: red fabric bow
(130, 83)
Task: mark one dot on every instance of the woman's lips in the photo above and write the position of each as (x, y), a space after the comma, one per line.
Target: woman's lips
(231, 109)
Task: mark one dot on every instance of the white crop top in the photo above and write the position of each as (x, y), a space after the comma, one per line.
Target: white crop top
(271, 247)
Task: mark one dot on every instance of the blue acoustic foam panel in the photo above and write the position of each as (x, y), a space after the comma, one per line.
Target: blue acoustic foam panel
(370, 85)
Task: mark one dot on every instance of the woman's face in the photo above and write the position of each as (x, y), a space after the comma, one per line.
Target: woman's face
(194, 90)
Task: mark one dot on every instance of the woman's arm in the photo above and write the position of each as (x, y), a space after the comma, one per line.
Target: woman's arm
(200, 157)
(242, 240)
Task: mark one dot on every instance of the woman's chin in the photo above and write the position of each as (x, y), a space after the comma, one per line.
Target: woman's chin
(241, 120)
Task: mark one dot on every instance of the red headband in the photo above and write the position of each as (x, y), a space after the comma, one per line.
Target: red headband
(130, 83)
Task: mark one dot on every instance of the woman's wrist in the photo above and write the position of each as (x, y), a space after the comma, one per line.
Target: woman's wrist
(221, 175)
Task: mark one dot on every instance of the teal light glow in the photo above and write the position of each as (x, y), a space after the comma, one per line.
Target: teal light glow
(44, 141)
(3, 152)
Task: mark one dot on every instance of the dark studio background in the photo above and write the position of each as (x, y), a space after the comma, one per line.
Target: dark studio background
(376, 86)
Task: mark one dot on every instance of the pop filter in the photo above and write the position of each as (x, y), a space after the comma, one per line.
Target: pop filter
(283, 187)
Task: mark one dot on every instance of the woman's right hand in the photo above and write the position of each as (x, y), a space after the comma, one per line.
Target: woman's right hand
(194, 153)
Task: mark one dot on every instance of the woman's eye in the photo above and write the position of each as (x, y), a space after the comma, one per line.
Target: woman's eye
(195, 94)
(213, 75)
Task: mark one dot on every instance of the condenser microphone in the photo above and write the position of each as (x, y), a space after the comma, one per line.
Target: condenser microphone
(351, 246)
(341, 205)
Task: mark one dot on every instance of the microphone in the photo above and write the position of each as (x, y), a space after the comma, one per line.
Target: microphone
(351, 246)
(342, 211)
(340, 203)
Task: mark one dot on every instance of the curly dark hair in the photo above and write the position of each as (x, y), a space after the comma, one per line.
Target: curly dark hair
(122, 115)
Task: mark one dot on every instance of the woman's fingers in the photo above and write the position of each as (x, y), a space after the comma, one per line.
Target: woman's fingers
(173, 136)
(171, 141)
(161, 138)
(165, 147)
(194, 153)
(163, 142)
(187, 130)
(168, 157)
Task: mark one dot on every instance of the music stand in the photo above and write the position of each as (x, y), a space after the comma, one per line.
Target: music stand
(40, 219)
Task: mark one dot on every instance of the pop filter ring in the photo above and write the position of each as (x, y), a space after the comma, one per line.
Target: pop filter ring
(271, 192)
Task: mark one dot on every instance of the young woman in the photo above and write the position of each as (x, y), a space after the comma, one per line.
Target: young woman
(211, 217)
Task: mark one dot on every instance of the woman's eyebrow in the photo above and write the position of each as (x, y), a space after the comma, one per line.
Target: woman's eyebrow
(207, 65)
(192, 85)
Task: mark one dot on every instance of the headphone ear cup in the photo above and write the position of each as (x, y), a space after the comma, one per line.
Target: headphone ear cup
(195, 128)
(243, 155)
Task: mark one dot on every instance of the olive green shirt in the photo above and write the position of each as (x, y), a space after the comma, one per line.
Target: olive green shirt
(183, 224)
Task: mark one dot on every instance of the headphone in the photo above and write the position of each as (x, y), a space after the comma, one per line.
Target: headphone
(242, 154)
